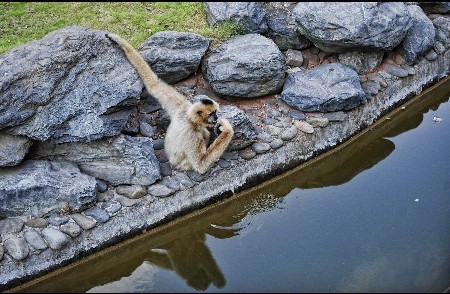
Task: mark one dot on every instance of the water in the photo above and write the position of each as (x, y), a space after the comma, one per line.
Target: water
(371, 217)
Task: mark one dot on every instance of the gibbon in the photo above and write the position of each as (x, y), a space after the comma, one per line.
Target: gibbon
(187, 137)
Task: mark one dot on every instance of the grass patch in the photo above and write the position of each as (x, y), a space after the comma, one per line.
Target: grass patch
(21, 22)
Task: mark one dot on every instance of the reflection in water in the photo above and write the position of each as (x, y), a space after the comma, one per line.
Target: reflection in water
(181, 247)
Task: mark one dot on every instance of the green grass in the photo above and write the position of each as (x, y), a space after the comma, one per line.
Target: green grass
(21, 22)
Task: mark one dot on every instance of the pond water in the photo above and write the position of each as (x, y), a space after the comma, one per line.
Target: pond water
(373, 216)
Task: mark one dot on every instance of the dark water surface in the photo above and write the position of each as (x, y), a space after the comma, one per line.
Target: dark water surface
(372, 216)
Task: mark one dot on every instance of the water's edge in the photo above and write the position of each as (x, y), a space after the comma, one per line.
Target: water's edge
(148, 213)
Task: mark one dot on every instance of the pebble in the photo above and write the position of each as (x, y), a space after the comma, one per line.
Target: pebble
(317, 121)
(146, 130)
(273, 130)
(166, 169)
(379, 79)
(55, 238)
(159, 190)
(224, 163)
(369, 90)
(396, 70)
(230, 155)
(171, 183)
(17, 247)
(265, 137)
(35, 240)
(335, 116)
(71, 229)
(100, 215)
(161, 155)
(247, 153)
(184, 180)
(58, 219)
(101, 185)
(289, 134)
(297, 115)
(37, 222)
(111, 206)
(1, 251)
(260, 147)
(195, 176)
(131, 191)
(158, 144)
(83, 221)
(373, 84)
(124, 201)
(11, 225)
(276, 143)
(409, 69)
(431, 55)
(304, 127)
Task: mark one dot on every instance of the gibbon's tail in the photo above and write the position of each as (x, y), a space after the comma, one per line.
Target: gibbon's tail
(169, 98)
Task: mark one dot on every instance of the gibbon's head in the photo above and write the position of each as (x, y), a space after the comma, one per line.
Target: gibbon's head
(203, 111)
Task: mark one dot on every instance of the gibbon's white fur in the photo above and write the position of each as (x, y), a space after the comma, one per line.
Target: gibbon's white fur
(187, 137)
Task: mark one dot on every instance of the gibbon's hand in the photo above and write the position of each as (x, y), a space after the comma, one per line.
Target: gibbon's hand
(222, 125)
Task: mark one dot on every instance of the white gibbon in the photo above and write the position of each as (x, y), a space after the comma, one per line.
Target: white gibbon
(187, 137)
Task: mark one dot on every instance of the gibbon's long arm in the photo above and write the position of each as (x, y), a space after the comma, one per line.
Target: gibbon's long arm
(169, 98)
(203, 158)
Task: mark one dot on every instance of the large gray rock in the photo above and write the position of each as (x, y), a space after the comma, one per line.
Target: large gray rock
(341, 26)
(37, 187)
(442, 25)
(119, 160)
(283, 27)
(325, 88)
(65, 87)
(174, 56)
(420, 37)
(13, 149)
(250, 16)
(362, 62)
(245, 66)
(435, 7)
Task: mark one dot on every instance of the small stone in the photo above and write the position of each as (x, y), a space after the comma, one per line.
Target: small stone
(289, 134)
(124, 201)
(195, 176)
(35, 240)
(166, 169)
(318, 121)
(260, 147)
(101, 185)
(379, 79)
(184, 180)
(159, 190)
(146, 130)
(37, 222)
(396, 70)
(100, 215)
(58, 219)
(276, 143)
(224, 163)
(304, 127)
(273, 131)
(131, 191)
(158, 144)
(431, 55)
(111, 206)
(71, 229)
(247, 154)
(11, 225)
(171, 183)
(1, 252)
(265, 137)
(335, 116)
(16, 247)
(161, 155)
(297, 115)
(230, 155)
(83, 221)
(55, 238)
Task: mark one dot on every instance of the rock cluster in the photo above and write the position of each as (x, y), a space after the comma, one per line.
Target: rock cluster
(82, 143)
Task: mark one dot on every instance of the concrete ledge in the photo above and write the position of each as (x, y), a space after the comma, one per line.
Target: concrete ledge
(150, 212)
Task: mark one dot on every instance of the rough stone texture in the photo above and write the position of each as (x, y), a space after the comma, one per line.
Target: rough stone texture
(435, 7)
(244, 130)
(283, 27)
(120, 160)
(326, 88)
(35, 240)
(245, 66)
(55, 238)
(13, 149)
(420, 37)
(174, 56)
(362, 62)
(342, 26)
(39, 187)
(250, 16)
(17, 247)
(65, 87)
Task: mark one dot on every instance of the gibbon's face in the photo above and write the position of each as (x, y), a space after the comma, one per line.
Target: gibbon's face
(206, 111)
